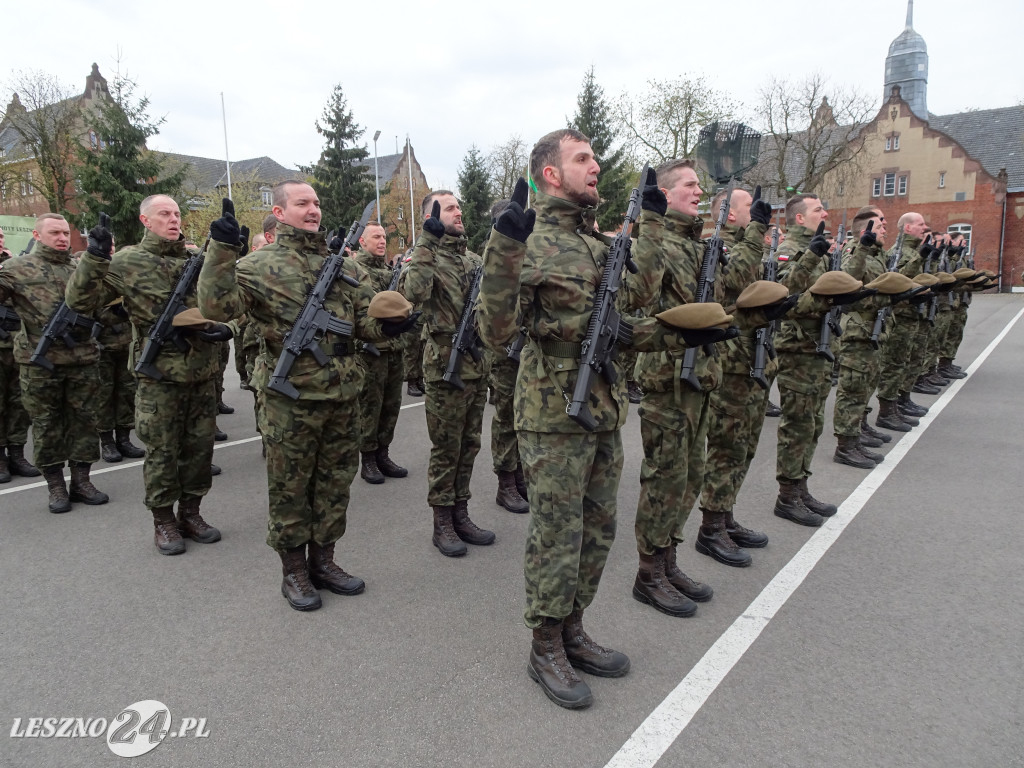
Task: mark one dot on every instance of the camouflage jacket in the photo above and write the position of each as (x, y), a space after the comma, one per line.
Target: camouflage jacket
(270, 287)
(145, 275)
(8, 343)
(747, 251)
(437, 281)
(910, 264)
(378, 277)
(548, 286)
(799, 267)
(864, 263)
(34, 285)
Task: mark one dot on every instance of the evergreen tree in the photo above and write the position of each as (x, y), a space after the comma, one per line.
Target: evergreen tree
(593, 117)
(339, 177)
(119, 173)
(474, 191)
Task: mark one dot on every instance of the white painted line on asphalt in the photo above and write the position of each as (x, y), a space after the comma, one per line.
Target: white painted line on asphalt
(412, 405)
(663, 726)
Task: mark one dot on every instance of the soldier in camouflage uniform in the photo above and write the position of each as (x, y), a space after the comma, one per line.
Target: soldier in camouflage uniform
(59, 402)
(174, 415)
(412, 346)
(438, 281)
(116, 396)
(546, 281)
(380, 399)
(961, 300)
(312, 442)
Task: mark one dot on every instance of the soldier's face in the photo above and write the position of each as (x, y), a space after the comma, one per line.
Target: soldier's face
(916, 227)
(684, 194)
(55, 233)
(162, 218)
(878, 227)
(451, 215)
(739, 207)
(575, 178)
(374, 241)
(302, 209)
(814, 213)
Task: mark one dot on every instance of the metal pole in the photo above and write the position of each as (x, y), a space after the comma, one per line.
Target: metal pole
(227, 160)
(376, 173)
(412, 201)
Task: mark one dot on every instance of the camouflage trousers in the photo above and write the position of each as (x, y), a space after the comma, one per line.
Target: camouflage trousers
(804, 383)
(894, 357)
(918, 353)
(412, 359)
(673, 434)
(249, 350)
(115, 398)
(454, 422)
(176, 422)
(573, 480)
(380, 399)
(937, 339)
(504, 445)
(954, 334)
(312, 456)
(858, 377)
(14, 419)
(61, 407)
(224, 355)
(737, 415)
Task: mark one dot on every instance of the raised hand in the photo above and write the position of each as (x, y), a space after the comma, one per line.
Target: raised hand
(516, 222)
(432, 224)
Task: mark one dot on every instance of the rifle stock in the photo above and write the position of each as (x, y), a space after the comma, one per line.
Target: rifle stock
(830, 323)
(764, 345)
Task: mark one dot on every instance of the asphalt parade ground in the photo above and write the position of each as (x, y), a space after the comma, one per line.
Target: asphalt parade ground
(888, 637)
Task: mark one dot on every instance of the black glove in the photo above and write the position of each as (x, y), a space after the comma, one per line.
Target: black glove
(514, 222)
(652, 198)
(335, 243)
(851, 298)
(225, 229)
(432, 224)
(776, 311)
(219, 332)
(698, 338)
(869, 238)
(118, 310)
(926, 250)
(244, 241)
(760, 211)
(908, 295)
(100, 239)
(392, 328)
(819, 244)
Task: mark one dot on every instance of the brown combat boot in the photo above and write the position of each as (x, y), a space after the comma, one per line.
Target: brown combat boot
(551, 669)
(521, 482)
(59, 501)
(387, 467)
(125, 446)
(466, 529)
(848, 452)
(108, 450)
(697, 591)
(789, 506)
(653, 587)
(324, 573)
(586, 655)
(742, 536)
(508, 494)
(369, 470)
(296, 586)
(445, 538)
(414, 387)
(18, 464)
(817, 507)
(889, 417)
(166, 535)
(191, 524)
(81, 488)
(714, 541)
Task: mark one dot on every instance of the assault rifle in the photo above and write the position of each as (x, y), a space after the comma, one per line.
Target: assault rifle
(714, 254)
(163, 330)
(315, 320)
(764, 343)
(465, 340)
(830, 325)
(9, 321)
(606, 328)
(396, 272)
(515, 349)
(933, 302)
(59, 326)
(883, 314)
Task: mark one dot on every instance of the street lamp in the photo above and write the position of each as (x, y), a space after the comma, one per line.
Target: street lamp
(376, 173)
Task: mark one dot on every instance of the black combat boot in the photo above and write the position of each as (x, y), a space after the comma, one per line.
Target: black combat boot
(18, 464)
(908, 407)
(790, 506)
(922, 387)
(713, 541)
(697, 591)
(889, 417)
(772, 411)
(817, 507)
(125, 446)
(906, 418)
(296, 587)
(191, 524)
(633, 391)
(867, 440)
(166, 535)
(414, 387)
(935, 378)
(369, 470)
(466, 529)
(521, 482)
(508, 495)
(445, 538)
(324, 573)
(81, 488)
(653, 587)
(848, 452)
(867, 429)
(387, 467)
(550, 668)
(108, 449)
(218, 435)
(876, 458)
(5, 472)
(586, 655)
(224, 408)
(743, 537)
(59, 501)
(947, 369)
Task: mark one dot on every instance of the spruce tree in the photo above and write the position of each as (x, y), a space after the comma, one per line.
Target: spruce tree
(475, 198)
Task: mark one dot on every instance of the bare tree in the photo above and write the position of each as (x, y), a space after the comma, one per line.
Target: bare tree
(506, 163)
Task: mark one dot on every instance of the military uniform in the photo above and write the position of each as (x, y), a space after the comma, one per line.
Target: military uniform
(116, 403)
(14, 421)
(501, 377)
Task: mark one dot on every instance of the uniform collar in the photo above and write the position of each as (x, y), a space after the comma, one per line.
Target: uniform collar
(161, 246)
(564, 214)
(52, 255)
(301, 239)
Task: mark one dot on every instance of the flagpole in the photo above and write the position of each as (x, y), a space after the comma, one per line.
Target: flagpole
(227, 160)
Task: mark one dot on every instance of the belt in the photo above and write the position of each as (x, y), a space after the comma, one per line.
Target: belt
(555, 348)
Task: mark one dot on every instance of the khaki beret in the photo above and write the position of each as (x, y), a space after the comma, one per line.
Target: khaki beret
(762, 293)
(964, 273)
(834, 283)
(695, 317)
(945, 278)
(926, 279)
(892, 283)
(988, 273)
(388, 305)
(190, 318)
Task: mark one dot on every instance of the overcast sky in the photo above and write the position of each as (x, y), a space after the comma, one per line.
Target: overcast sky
(452, 74)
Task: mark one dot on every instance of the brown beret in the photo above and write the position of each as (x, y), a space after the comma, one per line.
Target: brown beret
(925, 278)
(945, 278)
(964, 273)
(389, 305)
(892, 283)
(190, 318)
(834, 283)
(762, 293)
(988, 273)
(694, 317)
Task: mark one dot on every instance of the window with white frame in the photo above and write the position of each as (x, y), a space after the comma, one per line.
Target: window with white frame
(876, 187)
(901, 189)
(889, 186)
(942, 179)
(963, 229)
